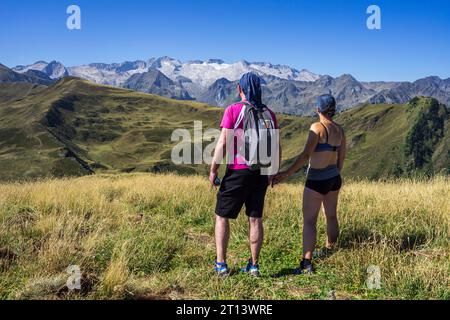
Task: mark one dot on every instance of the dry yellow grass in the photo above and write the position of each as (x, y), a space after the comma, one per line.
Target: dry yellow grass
(151, 236)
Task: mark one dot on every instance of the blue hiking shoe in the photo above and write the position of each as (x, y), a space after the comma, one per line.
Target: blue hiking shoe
(306, 267)
(252, 269)
(221, 268)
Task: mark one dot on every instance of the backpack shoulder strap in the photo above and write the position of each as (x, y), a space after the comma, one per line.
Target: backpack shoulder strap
(241, 116)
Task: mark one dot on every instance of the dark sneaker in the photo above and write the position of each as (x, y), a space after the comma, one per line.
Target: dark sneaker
(221, 268)
(306, 267)
(251, 269)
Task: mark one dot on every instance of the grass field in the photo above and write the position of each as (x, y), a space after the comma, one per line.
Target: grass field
(144, 236)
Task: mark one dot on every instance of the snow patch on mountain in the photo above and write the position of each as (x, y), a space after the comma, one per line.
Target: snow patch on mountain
(115, 74)
(39, 66)
(205, 73)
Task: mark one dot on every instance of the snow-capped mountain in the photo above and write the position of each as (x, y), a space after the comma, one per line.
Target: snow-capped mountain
(155, 82)
(8, 75)
(38, 65)
(54, 69)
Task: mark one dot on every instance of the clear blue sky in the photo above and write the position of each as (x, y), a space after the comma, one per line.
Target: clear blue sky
(326, 37)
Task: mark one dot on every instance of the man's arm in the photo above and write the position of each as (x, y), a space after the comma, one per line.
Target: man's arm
(219, 154)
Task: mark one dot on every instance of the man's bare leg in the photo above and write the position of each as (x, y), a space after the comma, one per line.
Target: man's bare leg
(256, 235)
(222, 231)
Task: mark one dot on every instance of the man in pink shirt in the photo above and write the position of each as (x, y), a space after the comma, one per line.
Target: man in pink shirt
(241, 183)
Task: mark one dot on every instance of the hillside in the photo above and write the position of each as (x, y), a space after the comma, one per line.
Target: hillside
(397, 140)
(145, 236)
(74, 127)
(30, 76)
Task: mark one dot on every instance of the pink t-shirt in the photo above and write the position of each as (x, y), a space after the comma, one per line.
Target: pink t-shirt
(228, 122)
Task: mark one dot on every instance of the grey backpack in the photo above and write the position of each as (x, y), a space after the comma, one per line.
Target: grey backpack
(258, 126)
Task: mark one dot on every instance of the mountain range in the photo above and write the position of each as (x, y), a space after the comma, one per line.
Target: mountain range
(286, 90)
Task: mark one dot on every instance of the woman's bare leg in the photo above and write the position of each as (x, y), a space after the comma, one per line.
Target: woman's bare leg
(330, 202)
(312, 201)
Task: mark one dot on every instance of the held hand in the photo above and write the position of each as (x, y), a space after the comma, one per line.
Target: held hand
(280, 177)
(273, 181)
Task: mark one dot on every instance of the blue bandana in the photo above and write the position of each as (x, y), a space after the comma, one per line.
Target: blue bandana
(251, 86)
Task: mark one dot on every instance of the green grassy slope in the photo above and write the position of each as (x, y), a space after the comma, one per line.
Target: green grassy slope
(378, 138)
(27, 149)
(122, 130)
(18, 90)
(375, 135)
(75, 127)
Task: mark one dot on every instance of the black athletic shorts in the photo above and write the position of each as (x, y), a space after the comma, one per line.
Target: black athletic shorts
(325, 186)
(241, 187)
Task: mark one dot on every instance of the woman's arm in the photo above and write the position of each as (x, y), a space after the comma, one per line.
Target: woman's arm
(342, 152)
(311, 143)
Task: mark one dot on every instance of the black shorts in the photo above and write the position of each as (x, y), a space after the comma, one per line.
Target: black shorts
(241, 187)
(325, 186)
